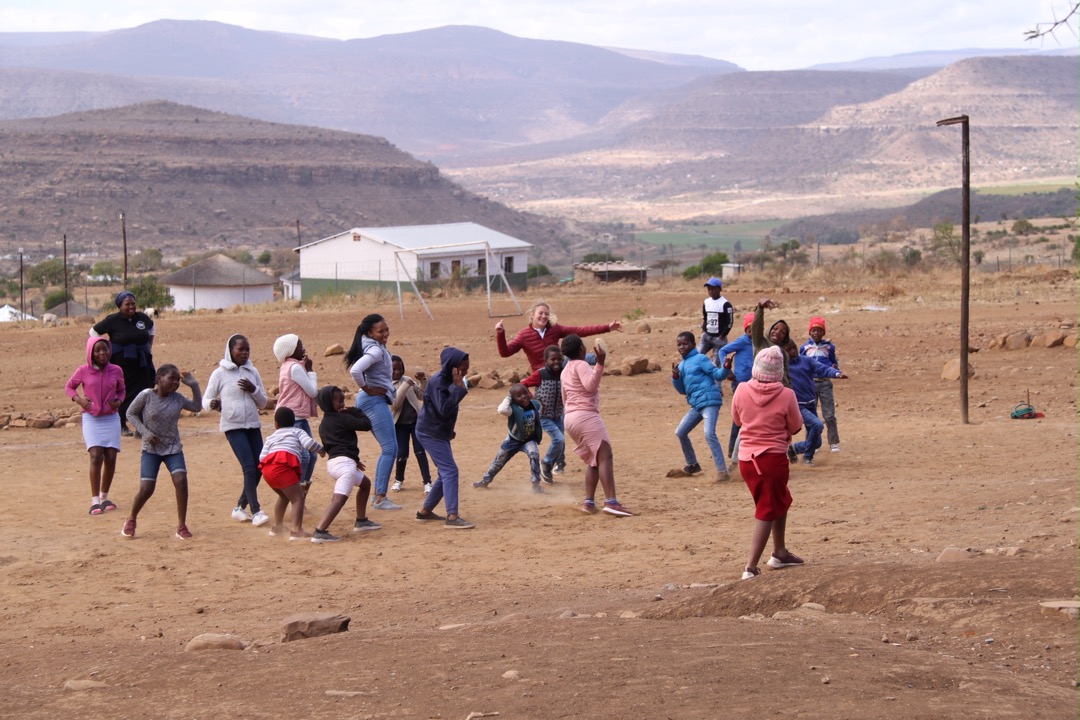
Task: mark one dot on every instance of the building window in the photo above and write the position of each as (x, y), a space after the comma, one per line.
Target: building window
(508, 264)
(434, 274)
(481, 267)
(455, 268)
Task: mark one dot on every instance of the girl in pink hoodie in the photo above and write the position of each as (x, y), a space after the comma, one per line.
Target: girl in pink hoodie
(102, 395)
(768, 415)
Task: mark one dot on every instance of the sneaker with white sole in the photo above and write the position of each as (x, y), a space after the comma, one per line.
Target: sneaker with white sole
(427, 488)
(396, 487)
(240, 514)
(545, 472)
(458, 523)
(385, 504)
(616, 509)
(366, 525)
(834, 448)
(259, 519)
(322, 536)
(749, 574)
(182, 533)
(788, 559)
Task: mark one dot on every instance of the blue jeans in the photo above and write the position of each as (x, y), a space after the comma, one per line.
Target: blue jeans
(149, 464)
(382, 427)
(509, 448)
(689, 422)
(307, 458)
(246, 444)
(813, 426)
(556, 453)
(734, 428)
(446, 485)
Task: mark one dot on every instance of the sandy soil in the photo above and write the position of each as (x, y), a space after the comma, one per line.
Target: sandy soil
(598, 617)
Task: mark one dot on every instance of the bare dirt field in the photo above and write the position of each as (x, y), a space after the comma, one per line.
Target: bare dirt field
(542, 611)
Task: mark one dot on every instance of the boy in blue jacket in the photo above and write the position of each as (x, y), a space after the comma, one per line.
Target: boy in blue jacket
(523, 422)
(803, 369)
(697, 378)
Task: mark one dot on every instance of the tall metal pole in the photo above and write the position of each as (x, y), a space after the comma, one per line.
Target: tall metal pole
(22, 289)
(123, 234)
(965, 257)
(298, 233)
(66, 296)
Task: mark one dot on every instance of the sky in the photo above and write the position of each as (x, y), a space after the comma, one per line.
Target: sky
(761, 35)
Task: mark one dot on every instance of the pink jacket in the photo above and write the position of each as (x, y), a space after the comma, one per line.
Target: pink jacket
(581, 386)
(767, 415)
(100, 386)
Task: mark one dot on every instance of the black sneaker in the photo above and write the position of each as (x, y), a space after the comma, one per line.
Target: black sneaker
(792, 456)
(421, 517)
(322, 536)
(366, 525)
(692, 469)
(545, 472)
(481, 484)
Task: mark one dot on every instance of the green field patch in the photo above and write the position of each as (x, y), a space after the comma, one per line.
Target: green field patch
(714, 237)
(1024, 189)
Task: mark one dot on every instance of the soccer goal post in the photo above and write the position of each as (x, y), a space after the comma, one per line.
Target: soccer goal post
(402, 270)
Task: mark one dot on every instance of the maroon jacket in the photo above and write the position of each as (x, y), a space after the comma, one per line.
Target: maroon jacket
(530, 340)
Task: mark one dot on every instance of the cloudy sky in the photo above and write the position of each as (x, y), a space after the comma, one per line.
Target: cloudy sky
(775, 35)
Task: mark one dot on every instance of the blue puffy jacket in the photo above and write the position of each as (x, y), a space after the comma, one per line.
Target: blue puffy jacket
(743, 347)
(697, 381)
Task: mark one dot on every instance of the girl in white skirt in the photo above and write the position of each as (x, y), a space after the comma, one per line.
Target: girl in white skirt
(102, 395)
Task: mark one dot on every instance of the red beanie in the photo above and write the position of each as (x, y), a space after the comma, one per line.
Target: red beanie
(747, 321)
(817, 322)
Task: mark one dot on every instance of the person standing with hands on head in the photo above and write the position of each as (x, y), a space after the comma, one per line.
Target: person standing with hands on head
(155, 414)
(103, 393)
(541, 332)
(131, 334)
(581, 399)
(436, 428)
(297, 387)
(818, 347)
(767, 415)
(372, 367)
(236, 390)
(717, 318)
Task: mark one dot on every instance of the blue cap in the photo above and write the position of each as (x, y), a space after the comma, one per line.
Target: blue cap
(714, 282)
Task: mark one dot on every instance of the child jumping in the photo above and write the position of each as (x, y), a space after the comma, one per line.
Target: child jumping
(818, 347)
(436, 428)
(548, 382)
(581, 398)
(103, 394)
(717, 318)
(297, 387)
(768, 416)
(338, 434)
(523, 423)
(236, 389)
(699, 380)
(155, 413)
(406, 408)
(280, 465)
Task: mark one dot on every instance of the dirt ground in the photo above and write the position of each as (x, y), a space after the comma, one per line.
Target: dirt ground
(543, 612)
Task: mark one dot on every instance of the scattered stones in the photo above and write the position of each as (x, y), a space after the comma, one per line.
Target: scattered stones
(511, 675)
(953, 554)
(334, 349)
(635, 366)
(1069, 609)
(345, 693)
(818, 607)
(912, 637)
(453, 626)
(627, 615)
(567, 614)
(79, 685)
(216, 641)
(1070, 341)
(313, 624)
(1013, 551)
(1053, 339)
(670, 587)
(1017, 341)
(490, 381)
(951, 370)
(825, 680)
(643, 328)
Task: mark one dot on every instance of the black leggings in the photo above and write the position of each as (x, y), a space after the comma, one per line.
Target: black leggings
(404, 433)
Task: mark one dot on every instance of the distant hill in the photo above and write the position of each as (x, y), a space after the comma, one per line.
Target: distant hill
(937, 59)
(190, 179)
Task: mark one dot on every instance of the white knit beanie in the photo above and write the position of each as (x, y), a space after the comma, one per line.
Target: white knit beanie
(769, 365)
(285, 346)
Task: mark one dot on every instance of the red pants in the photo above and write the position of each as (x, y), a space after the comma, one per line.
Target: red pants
(767, 477)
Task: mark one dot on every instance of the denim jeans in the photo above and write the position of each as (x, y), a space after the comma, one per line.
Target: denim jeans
(307, 458)
(828, 408)
(690, 421)
(813, 426)
(405, 433)
(509, 448)
(382, 427)
(556, 453)
(734, 428)
(246, 445)
(446, 484)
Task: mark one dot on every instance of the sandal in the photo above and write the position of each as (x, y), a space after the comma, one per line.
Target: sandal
(107, 505)
(95, 509)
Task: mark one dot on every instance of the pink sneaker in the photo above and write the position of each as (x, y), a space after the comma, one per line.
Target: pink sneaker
(128, 530)
(617, 510)
(182, 533)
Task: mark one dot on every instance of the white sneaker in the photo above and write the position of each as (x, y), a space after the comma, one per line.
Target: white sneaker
(240, 514)
(385, 504)
(260, 518)
(427, 488)
(396, 487)
(835, 448)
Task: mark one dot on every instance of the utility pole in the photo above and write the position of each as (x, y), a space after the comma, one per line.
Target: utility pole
(123, 235)
(22, 289)
(297, 232)
(66, 296)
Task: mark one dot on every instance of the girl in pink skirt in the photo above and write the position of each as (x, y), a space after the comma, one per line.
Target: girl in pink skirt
(581, 401)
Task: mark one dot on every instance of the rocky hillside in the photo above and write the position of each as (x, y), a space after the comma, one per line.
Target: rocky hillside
(190, 179)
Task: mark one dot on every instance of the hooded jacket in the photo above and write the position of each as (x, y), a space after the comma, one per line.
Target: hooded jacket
(697, 381)
(802, 369)
(761, 338)
(100, 385)
(743, 347)
(438, 416)
(337, 430)
(374, 368)
(239, 409)
(767, 415)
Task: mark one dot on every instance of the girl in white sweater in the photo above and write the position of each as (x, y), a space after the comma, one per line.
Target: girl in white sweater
(236, 389)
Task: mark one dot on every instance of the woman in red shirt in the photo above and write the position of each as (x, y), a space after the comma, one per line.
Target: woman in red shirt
(541, 332)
